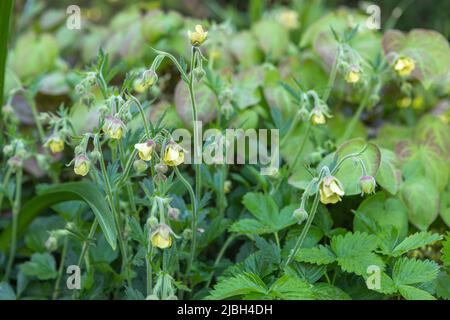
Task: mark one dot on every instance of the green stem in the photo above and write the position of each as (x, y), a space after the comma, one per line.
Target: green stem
(333, 74)
(148, 262)
(291, 129)
(219, 257)
(15, 220)
(194, 215)
(144, 119)
(4, 184)
(116, 215)
(302, 147)
(351, 127)
(305, 230)
(6, 12)
(61, 268)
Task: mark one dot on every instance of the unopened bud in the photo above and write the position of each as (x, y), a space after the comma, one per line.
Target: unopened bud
(300, 215)
(152, 222)
(140, 165)
(367, 184)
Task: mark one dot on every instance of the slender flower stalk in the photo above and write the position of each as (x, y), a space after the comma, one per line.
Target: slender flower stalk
(61, 268)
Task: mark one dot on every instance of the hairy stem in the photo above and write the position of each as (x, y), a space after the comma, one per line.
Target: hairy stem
(61, 268)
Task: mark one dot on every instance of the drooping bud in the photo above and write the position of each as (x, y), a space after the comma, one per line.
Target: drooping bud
(367, 184)
(15, 163)
(353, 75)
(317, 117)
(82, 165)
(199, 73)
(145, 149)
(161, 168)
(140, 165)
(300, 215)
(55, 144)
(161, 237)
(174, 213)
(152, 222)
(52, 243)
(114, 127)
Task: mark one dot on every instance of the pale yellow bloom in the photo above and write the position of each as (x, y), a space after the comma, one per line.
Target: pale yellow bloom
(353, 76)
(331, 190)
(114, 127)
(289, 19)
(82, 165)
(198, 36)
(404, 66)
(404, 102)
(318, 117)
(55, 143)
(173, 155)
(418, 102)
(161, 237)
(145, 150)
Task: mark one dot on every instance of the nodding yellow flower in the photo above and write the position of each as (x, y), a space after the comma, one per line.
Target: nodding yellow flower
(145, 150)
(404, 66)
(148, 79)
(318, 117)
(161, 237)
(227, 186)
(114, 127)
(139, 86)
(82, 165)
(173, 155)
(353, 76)
(330, 190)
(55, 143)
(367, 184)
(198, 36)
(289, 19)
(404, 102)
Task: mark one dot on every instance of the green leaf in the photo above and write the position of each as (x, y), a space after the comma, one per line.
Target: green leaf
(428, 48)
(350, 170)
(6, 292)
(414, 241)
(410, 271)
(290, 287)
(6, 14)
(238, 285)
(83, 191)
(413, 293)
(268, 218)
(421, 197)
(446, 250)
(388, 174)
(272, 37)
(434, 134)
(317, 255)
(42, 266)
(443, 285)
(354, 252)
(325, 291)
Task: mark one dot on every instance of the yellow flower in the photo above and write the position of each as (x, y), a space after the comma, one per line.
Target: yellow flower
(198, 36)
(404, 66)
(82, 165)
(404, 102)
(227, 186)
(418, 102)
(317, 117)
(55, 143)
(353, 76)
(145, 150)
(289, 19)
(331, 190)
(114, 127)
(161, 237)
(139, 86)
(173, 155)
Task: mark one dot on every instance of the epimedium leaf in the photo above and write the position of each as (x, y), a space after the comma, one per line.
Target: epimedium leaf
(421, 197)
(83, 191)
(350, 171)
(388, 174)
(429, 49)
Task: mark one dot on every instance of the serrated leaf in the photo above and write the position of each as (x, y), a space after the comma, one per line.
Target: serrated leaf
(325, 291)
(446, 250)
(42, 266)
(443, 286)
(410, 271)
(354, 252)
(289, 287)
(241, 284)
(317, 255)
(413, 293)
(414, 241)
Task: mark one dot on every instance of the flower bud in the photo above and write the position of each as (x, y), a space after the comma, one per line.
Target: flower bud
(145, 150)
(114, 127)
(52, 243)
(198, 36)
(15, 163)
(82, 165)
(55, 144)
(161, 237)
(8, 150)
(140, 165)
(187, 234)
(173, 155)
(95, 155)
(152, 222)
(300, 215)
(174, 213)
(161, 168)
(404, 66)
(199, 73)
(353, 75)
(227, 186)
(367, 184)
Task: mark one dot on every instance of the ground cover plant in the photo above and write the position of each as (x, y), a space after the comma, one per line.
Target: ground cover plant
(213, 150)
